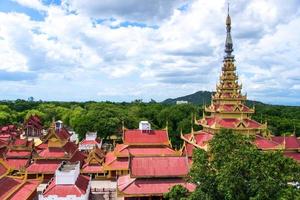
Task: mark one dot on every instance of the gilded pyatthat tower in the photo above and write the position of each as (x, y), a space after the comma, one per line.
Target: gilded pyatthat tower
(228, 109)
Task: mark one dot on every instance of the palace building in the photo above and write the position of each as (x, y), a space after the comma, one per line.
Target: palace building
(228, 111)
(33, 126)
(55, 148)
(16, 186)
(137, 142)
(67, 184)
(151, 177)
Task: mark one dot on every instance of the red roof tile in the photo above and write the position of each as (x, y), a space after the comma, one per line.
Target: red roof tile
(137, 137)
(78, 189)
(159, 166)
(149, 187)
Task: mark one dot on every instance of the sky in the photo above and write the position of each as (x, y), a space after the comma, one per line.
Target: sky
(115, 50)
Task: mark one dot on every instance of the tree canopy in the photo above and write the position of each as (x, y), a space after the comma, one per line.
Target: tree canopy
(233, 168)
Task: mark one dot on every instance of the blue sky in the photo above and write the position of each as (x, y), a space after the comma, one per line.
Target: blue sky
(139, 49)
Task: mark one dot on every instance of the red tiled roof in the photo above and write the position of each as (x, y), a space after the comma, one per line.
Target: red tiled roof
(123, 150)
(148, 137)
(26, 190)
(114, 163)
(149, 187)
(159, 166)
(43, 166)
(78, 189)
(17, 163)
(293, 155)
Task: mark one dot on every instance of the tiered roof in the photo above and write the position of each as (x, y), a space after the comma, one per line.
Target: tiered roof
(14, 187)
(94, 161)
(193, 140)
(34, 121)
(139, 142)
(19, 153)
(55, 148)
(228, 109)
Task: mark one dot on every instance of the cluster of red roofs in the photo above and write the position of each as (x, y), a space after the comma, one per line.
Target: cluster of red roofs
(145, 164)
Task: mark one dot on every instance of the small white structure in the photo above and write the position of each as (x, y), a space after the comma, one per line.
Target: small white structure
(59, 125)
(145, 126)
(90, 142)
(67, 184)
(182, 102)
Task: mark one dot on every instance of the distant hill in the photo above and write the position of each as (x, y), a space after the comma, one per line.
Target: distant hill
(199, 98)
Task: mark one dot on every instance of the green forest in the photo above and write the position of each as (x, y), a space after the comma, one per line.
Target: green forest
(106, 117)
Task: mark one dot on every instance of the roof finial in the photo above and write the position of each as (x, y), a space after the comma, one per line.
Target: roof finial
(228, 43)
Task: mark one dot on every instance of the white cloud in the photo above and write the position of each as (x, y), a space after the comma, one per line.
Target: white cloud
(72, 50)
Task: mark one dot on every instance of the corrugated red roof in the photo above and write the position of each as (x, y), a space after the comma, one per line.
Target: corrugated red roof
(18, 153)
(17, 163)
(63, 133)
(123, 150)
(114, 163)
(7, 184)
(3, 168)
(149, 187)
(293, 155)
(147, 137)
(159, 166)
(26, 190)
(78, 189)
(264, 143)
(92, 168)
(43, 166)
(231, 122)
(277, 142)
(291, 142)
(56, 152)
